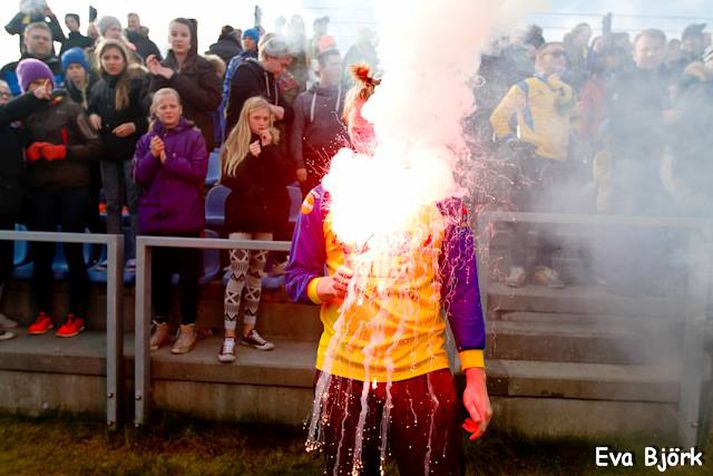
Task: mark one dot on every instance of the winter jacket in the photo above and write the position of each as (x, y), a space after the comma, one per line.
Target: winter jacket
(251, 79)
(8, 72)
(61, 121)
(172, 197)
(317, 129)
(233, 64)
(11, 161)
(102, 103)
(226, 47)
(258, 192)
(199, 88)
(79, 96)
(76, 39)
(144, 46)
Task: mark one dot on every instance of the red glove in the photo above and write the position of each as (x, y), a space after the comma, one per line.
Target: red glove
(54, 152)
(34, 152)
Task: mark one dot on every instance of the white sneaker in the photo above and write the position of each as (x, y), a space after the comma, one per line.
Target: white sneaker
(255, 340)
(227, 350)
(6, 335)
(7, 323)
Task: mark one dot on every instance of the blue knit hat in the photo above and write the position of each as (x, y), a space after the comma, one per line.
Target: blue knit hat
(29, 70)
(74, 56)
(252, 33)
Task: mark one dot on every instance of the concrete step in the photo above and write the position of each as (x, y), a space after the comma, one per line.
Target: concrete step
(597, 300)
(614, 340)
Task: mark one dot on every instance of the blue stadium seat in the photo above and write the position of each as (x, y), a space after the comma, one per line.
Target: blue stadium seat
(60, 268)
(211, 262)
(213, 175)
(295, 201)
(215, 206)
(21, 248)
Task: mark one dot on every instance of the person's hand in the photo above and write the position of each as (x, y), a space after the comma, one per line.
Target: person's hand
(156, 68)
(162, 156)
(124, 130)
(34, 151)
(277, 111)
(48, 12)
(157, 147)
(477, 402)
(334, 287)
(44, 92)
(255, 148)
(302, 175)
(95, 121)
(54, 152)
(265, 137)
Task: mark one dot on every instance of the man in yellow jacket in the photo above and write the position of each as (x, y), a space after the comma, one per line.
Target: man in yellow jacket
(537, 112)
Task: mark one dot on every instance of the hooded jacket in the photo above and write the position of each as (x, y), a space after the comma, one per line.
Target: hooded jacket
(317, 129)
(172, 197)
(61, 121)
(251, 79)
(199, 88)
(258, 187)
(226, 47)
(102, 103)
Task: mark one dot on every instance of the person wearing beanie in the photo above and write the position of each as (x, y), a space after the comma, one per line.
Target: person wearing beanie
(38, 45)
(75, 39)
(250, 39)
(78, 76)
(58, 177)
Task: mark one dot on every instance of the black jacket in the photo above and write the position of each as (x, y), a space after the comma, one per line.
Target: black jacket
(102, 102)
(76, 39)
(226, 47)
(61, 121)
(199, 87)
(79, 96)
(251, 79)
(259, 191)
(11, 161)
(142, 42)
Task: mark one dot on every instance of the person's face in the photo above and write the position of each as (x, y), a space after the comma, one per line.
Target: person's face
(5, 95)
(248, 44)
(553, 60)
(133, 22)
(112, 61)
(649, 53)
(113, 32)
(330, 74)
(179, 37)
(276, 66)
(38, 42)
(693, 45)
(259, 120)
(76, 74)
(37, 83)
(71, 23)
(168, 110)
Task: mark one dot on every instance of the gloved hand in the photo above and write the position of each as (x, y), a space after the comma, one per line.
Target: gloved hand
(54, 152)
(34, 152)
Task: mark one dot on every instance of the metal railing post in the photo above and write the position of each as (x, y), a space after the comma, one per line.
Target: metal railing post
(142, 330)
(114, 329)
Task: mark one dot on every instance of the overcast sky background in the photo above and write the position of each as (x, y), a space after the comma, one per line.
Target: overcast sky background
(347, 16)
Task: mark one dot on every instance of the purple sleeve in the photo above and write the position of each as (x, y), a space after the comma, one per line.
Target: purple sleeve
(145, 164)
(192, 169)
(308, 254)
(460, 295)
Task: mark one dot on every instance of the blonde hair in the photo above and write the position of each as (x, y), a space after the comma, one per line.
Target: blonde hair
(121, 96)
(364, 86)
(157, 97)
(237, 145)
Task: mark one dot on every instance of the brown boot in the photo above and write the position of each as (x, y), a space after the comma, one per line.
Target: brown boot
(186, 340)
(160, 336)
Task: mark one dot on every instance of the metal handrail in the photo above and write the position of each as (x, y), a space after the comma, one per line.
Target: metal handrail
(114, 305)
(142, 356)
(699, 236)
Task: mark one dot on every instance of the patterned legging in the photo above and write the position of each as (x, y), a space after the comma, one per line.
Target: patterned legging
(245, 269)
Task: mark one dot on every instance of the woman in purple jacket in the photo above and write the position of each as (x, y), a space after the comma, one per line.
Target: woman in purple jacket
(170, 165)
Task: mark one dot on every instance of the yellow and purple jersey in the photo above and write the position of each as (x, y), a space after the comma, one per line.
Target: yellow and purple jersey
(391, 327)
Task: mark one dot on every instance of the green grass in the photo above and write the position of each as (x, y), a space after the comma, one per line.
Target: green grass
(64, 444)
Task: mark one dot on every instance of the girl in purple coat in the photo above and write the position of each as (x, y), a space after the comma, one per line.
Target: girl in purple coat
(170, 165)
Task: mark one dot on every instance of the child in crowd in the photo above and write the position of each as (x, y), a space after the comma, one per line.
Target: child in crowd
(170, 165)
(255, 171)
(118, 110)
(62, 145)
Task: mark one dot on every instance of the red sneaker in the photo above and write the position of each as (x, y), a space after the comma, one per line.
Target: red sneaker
(73, 326)
(42, 324)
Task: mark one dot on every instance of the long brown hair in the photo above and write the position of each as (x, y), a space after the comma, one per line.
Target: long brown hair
(121, 97)
(237, 145)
